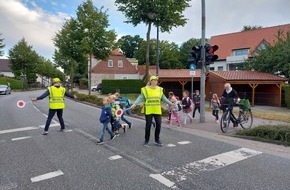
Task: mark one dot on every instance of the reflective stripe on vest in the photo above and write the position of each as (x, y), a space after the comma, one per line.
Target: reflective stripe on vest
(56, 97)
(152, 99)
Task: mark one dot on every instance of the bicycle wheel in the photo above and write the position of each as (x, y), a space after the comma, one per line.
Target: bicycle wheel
(225, 121)
(246, 119)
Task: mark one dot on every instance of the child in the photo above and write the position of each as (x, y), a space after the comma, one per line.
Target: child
(174, 110)
(186, 106)
(214, 104)
(105, 119)
(124, 103)
(115, 121)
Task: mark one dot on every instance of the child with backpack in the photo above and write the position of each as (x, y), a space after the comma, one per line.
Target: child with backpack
(215, 104)
(124, 103)
(105, 120)
(174, 110)
(187, 106)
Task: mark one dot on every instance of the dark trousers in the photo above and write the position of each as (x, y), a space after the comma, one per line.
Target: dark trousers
(51, 113)
(148, 119)
(216, 114)
(194, 110)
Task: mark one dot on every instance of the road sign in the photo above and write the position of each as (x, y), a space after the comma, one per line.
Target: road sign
(119, 112)
(192, 73)
(21, 104)
(192, 67)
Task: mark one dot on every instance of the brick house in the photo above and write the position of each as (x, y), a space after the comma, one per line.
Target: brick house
(235, 48)
(115, 67)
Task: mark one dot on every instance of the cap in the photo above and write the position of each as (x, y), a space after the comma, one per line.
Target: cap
(55, 80)
(153, 78)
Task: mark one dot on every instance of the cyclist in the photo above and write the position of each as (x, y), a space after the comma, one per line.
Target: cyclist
(229, 98)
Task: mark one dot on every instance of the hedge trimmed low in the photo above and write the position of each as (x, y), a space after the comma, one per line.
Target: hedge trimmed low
(279, 134)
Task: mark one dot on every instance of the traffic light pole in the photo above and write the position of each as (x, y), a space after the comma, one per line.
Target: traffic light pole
(202, 74)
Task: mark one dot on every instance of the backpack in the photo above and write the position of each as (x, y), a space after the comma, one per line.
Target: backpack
(191, 104)
(125, 102)
(178, 106)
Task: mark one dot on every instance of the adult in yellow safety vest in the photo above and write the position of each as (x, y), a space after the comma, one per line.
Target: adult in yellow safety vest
(56, 95)
(152, 95)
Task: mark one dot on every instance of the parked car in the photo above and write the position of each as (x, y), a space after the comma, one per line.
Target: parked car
(97, 88)
(5, 89)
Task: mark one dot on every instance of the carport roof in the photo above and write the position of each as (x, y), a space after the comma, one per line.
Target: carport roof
(247, 76)
(174, 73)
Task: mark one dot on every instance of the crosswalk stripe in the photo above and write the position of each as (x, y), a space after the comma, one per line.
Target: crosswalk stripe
(21, 138)
(46, 176)
(51, 125)
(211, 163)
(115, 157)
(17, 130)
(163, 180)
(183, 142)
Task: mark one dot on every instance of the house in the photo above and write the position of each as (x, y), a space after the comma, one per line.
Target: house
(260, 88)
(5, 69)
(115, 67)
(235, 48)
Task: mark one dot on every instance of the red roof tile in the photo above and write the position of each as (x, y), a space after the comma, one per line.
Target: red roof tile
(247, 39)
(247, 75)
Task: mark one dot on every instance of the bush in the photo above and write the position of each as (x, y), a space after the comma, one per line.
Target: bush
(121, 86)
(14, 84)
(287, 95)
(279, 134)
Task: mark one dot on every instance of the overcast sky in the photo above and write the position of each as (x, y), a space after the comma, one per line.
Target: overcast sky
(38, 20)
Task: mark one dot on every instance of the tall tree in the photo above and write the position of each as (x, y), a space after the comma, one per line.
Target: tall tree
(2, 45)
(273, 58)
(129, 44)
(23, 61)
(169, 56)
(248, 27)
(97, 40)
(140, 54)
(163, 13)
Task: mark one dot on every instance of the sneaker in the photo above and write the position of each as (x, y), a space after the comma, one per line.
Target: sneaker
(235, 125)
(44, 133)
(100, 142)
(145, 143)
(158, 143)
(130, 125)
(113, 137)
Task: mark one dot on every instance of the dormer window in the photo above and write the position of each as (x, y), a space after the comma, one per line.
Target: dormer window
(238, 52)
(110, 63)
(120, 63)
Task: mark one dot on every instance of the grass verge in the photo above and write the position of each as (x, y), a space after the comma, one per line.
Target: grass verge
(278, 134)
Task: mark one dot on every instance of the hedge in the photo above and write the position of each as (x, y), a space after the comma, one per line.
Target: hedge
(14, 84)
(286, 89)
(123, 86)
(279, 134)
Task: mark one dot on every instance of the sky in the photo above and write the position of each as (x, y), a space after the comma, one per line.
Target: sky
(38, 20)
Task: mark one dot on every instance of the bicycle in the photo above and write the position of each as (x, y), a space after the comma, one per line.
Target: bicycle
(244, 119)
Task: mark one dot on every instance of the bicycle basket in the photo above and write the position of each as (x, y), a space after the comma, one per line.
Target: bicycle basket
(245, 104)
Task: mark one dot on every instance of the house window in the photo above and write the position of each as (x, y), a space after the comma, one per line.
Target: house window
(241, 52)
(110, 63)
(125, 77)
(120, 63)
(220, 68)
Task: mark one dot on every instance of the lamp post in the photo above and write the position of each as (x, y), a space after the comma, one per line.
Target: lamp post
(89, 65)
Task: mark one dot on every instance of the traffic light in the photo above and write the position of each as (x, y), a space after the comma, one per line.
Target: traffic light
(195, 55)
(210, 57)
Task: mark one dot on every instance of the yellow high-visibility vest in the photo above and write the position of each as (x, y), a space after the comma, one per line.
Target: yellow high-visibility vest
(56, 97)
(152, 99)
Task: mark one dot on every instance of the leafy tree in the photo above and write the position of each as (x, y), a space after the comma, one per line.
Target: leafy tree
(247, 28)
(1, 46)
(23, 60)
(163, 13)
(129, 44)
(140, 54)
(274, 58)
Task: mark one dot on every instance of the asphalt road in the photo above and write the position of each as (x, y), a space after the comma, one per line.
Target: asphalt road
(190, 159)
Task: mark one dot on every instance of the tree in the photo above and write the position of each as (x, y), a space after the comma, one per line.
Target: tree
(23, 61)
(1, 46)
(96, 39)
(129, 44)
(140, 54)
(169, 56)
(163, 13)
(247, 28)
(273, 58)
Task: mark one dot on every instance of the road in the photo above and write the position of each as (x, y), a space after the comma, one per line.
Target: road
(190, 159)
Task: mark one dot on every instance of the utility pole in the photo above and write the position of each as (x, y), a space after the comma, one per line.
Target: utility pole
(157, 51)
(202, 74)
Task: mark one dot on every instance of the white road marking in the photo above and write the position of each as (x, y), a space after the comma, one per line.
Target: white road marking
(70, 130)
(46, 176)
(51, 125)
(171, 145)
(115, 157)
(163, 180)
(211, 163)
(17, 130)
(184, 142)
(21, 138)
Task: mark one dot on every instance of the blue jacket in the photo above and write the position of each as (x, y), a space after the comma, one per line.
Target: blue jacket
(106, 114)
